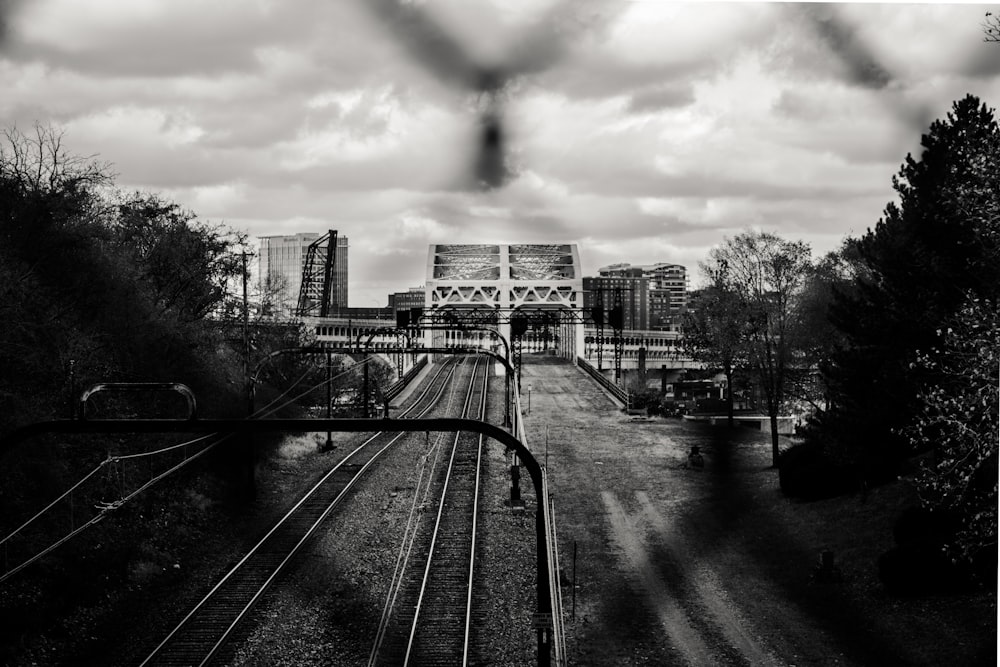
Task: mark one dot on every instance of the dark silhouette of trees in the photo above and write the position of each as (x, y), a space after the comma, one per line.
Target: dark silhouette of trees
(815, 339)
(959, 417)
(184, 264)
(716, 332)
(118, 286)
(925, 258)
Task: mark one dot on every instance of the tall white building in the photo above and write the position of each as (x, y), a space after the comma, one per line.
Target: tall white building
(280, 266)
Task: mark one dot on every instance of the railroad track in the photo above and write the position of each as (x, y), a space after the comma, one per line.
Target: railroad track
(430, 619)
(198, 638)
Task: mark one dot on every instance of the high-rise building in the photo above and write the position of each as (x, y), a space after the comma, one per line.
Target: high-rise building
(415, 297)
(667, 293)
(632, 292)
(340, 271)
(279, 271)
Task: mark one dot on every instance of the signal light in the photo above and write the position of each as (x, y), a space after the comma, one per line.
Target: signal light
(518, 325)
(616, 318)
(597, 315)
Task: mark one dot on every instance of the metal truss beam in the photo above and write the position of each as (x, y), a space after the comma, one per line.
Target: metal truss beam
(318, 274)
(462, 315)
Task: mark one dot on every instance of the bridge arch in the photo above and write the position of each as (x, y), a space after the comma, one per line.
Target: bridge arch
(489, 283)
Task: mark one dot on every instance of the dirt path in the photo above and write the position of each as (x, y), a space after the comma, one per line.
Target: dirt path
(660, 574)
(629, 538)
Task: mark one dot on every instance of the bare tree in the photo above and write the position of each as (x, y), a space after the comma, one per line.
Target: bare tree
(39, 163)
(991, 28)
(765, 274)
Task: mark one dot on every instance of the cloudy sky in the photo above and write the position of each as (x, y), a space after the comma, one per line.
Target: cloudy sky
(643, 131)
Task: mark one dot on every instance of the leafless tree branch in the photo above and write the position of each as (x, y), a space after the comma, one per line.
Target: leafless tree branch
(991, 28)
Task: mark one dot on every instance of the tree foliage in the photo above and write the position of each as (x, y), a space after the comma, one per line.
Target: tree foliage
(764, 274)
(815, 339)
(959, 418)
(716, 332)
(184, 264)
(115, 286)
(924, 258)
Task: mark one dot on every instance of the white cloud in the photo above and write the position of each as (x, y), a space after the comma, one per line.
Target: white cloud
(645, 131)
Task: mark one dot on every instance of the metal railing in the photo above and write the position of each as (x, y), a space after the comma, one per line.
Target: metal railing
(397, 387)
(610, 386)
(558, 642)
(555, 585)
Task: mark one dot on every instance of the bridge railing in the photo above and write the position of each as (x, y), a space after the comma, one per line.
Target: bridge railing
(558, 641)
(612, 388)
(396, 387)
(555, 585)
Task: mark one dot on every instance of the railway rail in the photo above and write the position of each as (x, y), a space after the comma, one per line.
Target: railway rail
(200, 635)
(429, 618)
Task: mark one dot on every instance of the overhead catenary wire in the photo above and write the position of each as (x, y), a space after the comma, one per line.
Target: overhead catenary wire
(103, 509)
(410, 530)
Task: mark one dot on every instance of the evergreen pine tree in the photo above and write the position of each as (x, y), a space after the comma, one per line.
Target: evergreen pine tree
(928, 253)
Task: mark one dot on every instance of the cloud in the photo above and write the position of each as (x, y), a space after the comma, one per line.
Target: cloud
(644, 131)
(842, 38)
(655, 98)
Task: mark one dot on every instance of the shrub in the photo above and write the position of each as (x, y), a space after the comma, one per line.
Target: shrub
(919, 563)
(920, 569)
(805, 471)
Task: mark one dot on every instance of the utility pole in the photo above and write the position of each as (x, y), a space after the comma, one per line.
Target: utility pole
(246, 331)
(329, 401)
(72, 388)
(249, 460)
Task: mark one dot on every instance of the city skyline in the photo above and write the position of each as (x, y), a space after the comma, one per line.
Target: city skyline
(642, 131)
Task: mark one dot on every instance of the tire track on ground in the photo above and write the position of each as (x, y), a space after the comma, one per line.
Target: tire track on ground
(710, 594)
(684, 637)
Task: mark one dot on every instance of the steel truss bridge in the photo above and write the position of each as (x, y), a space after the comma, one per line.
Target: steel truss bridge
(530, 294)
(560, 330)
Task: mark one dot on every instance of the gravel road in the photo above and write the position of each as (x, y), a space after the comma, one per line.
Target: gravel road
(712, 565)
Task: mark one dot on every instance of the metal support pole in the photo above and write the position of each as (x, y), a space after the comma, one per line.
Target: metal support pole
(516, 344)
(515, 484)
(329, 401)
(574, 580)
(250, 462)
(364, 400)
(72, 388)
(246, 338)
(506, 398)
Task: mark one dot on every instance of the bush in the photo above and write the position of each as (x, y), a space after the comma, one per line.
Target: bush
(918, 525)
(920, 569)
(919, 563)
(805, 471)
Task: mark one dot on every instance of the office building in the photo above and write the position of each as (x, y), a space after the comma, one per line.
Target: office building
(631, 291)
(667, 290)
(280, 265)
(415, 297)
